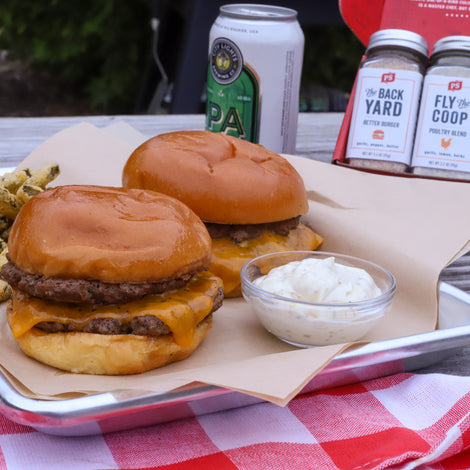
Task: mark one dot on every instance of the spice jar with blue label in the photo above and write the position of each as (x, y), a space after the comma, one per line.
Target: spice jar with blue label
(386, 101)
(442, 143)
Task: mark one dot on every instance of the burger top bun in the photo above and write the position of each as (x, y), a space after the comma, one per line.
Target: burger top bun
(108, 234)
(223, 179)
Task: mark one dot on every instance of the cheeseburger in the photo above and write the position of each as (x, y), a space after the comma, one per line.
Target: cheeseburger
(250, 198)
(109, 280)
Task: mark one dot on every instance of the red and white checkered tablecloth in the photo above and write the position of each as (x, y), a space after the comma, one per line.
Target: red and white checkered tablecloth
(404, 421)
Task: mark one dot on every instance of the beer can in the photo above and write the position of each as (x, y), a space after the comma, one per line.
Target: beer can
(255, 64)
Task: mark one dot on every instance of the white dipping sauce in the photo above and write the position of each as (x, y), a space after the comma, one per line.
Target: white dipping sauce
(318, 281)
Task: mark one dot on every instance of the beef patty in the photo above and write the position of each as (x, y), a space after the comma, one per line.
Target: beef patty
(84, 291)
(241, 233)
(146, 325)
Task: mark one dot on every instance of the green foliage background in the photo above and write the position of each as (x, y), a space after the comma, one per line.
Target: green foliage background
(98, 46)
(102, 47)
(332, 55)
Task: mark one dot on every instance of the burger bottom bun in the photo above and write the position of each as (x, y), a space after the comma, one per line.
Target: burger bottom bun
(88, 353)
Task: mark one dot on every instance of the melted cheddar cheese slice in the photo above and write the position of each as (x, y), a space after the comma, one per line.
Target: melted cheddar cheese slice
(181, 309)
(228, 257)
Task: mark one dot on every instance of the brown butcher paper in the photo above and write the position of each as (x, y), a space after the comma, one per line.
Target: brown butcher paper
(413, 228)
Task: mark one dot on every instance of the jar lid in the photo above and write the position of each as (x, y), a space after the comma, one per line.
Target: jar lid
(399, 38)
(452, 43)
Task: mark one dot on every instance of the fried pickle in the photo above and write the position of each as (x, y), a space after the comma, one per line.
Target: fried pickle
(36, 183)
(17, 188)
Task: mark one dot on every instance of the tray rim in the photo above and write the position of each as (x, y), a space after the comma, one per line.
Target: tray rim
(44, 414)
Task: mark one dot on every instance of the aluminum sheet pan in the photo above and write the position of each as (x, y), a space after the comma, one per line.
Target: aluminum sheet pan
(119, 410)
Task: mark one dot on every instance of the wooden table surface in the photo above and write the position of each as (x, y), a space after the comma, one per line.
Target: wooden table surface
(316, 138)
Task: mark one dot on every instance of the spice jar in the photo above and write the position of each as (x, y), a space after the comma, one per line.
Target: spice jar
(442, 143)
(386, 102)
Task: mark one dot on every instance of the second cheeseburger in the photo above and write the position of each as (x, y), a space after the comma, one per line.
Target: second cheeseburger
(109, 280)
(250, 198)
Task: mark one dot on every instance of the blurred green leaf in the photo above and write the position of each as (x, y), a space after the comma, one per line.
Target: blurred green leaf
(101, 48)
(98, 46)
(332, 55)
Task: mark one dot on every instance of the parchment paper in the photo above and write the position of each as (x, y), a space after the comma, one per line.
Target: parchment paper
(414, 228)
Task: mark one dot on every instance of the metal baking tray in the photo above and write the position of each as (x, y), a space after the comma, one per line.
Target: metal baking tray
(120, 410)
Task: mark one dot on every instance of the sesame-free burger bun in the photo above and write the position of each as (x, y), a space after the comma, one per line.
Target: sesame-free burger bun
(108, 234)
(90, 353)
(109, 280)
(223, 179)
(251, 199)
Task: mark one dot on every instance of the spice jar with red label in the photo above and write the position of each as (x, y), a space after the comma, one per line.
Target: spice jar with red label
(386, 102)
(442, 143)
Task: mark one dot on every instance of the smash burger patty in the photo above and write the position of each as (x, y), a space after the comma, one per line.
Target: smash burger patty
(109, 280)
(250, 198)
(83, 290)
(97, 292)
(241, 233)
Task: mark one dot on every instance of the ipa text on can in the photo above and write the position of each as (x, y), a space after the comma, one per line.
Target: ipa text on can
(255, 65)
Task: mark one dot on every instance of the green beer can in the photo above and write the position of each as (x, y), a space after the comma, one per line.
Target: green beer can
(253, 81)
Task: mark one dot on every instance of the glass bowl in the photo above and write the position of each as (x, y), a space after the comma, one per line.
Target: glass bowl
(304, 323)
